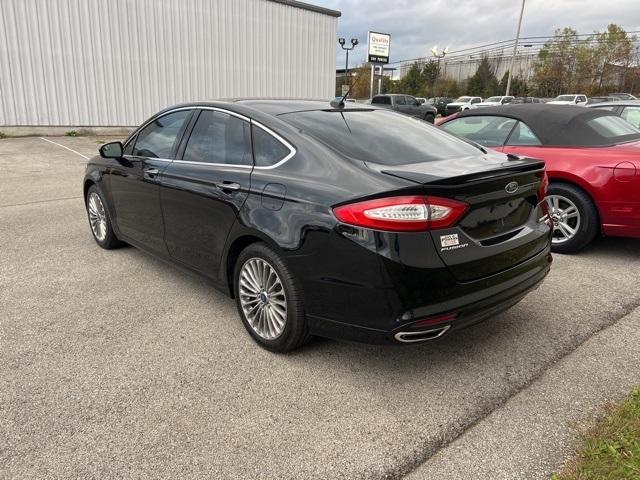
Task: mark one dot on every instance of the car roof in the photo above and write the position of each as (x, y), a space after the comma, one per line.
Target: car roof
(562, 125)
(617, 103)
(265, 109)
(275, 106)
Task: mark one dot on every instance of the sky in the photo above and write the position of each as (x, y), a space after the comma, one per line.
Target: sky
(417, 25)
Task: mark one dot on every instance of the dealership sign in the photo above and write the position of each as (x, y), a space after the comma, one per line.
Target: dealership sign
(378, 51)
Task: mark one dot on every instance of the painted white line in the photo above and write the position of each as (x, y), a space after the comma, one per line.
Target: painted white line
(70, 149)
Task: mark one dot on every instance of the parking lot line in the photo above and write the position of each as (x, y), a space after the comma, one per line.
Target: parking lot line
(63, 146)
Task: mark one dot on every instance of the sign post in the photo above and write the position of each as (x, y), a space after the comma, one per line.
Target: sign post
(378, 47)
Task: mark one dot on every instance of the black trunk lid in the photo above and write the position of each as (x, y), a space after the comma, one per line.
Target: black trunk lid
(503, 225)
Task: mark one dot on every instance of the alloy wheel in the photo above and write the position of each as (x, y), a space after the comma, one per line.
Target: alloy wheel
(565, 217)
(262, 298)
(97, 217)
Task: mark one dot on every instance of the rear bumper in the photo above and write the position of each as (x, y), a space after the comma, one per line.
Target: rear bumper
(472, 302)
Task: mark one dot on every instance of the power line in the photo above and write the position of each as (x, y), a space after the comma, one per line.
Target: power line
(505, 44)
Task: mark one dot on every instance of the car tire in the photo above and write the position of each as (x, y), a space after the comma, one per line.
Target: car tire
(430, 117)
(100, 220)
(563, 199)
(260, 303)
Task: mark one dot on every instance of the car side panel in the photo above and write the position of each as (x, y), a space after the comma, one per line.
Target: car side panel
(602, 174)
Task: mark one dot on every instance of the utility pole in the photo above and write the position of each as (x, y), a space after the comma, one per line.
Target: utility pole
(515, 50)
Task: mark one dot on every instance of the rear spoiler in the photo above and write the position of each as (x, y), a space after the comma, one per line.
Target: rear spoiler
(502, 170)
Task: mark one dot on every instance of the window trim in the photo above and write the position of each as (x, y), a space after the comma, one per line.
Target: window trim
(518, 122)
(176, 145)
(292, 149)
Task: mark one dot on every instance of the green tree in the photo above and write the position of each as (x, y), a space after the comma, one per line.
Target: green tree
(519, 87)
(597, 64)
(556, 63)
(412, 82)
(484, 82)
(613, 47)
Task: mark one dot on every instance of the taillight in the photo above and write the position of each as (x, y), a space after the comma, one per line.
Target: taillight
(542, 194)
(544, 186)
(402, 214)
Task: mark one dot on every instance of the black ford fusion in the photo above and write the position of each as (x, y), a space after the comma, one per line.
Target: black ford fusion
(342, 221)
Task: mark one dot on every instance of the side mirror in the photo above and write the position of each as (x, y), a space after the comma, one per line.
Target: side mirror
(112, 150)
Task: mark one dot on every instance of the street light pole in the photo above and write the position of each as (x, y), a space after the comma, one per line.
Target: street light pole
(515, 49)
(346, 69)
(342, 42)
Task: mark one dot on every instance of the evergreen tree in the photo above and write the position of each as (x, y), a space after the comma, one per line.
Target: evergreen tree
(484, 82)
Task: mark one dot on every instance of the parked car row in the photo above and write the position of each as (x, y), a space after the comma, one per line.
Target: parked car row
(406, 104)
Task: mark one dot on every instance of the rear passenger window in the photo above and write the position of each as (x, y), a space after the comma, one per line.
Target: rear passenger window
(522, 135)
(268, 150)
(157, 139)
(218, 137)
(381, 100)
(400, 100)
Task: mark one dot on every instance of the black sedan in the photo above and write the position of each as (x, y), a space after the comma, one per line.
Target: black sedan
(349, 222)
(440, 103)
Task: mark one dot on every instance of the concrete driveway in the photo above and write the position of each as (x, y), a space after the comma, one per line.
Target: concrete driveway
(116, 365)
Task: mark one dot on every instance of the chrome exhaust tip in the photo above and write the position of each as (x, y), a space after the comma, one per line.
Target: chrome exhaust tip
(422, 335)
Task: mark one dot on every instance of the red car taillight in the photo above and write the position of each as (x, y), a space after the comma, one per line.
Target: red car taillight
(544, 186)
(402, 214)
(542, 194)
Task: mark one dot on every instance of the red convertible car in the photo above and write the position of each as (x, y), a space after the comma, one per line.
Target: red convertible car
(592, 159)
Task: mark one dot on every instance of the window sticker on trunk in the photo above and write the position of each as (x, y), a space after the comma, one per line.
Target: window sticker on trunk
(451, 242)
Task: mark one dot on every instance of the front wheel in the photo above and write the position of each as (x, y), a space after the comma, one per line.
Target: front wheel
(574, 217)
(269, 300)
(99, 220)
(430, 117)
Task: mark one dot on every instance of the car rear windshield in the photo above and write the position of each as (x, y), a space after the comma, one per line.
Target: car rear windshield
(380, 136)
(462, 100)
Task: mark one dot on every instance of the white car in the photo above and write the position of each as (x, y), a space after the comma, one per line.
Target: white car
(495, 101)
(462, 103)
(569, 100)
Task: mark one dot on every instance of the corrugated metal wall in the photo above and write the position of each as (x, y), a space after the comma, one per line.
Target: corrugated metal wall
(116, 62)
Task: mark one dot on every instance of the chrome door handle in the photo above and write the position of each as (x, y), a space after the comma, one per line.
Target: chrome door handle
(227, 185)
(152, 172)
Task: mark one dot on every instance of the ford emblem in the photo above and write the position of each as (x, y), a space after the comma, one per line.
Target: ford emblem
(512, 187)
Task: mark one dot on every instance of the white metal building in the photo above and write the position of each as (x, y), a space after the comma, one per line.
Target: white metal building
(116, 62)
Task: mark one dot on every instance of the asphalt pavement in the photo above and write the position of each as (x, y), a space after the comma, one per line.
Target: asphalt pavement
(114, 364)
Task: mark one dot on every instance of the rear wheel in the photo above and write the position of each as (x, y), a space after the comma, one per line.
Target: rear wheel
(269, 300)
(574, 217)
(99, 220)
